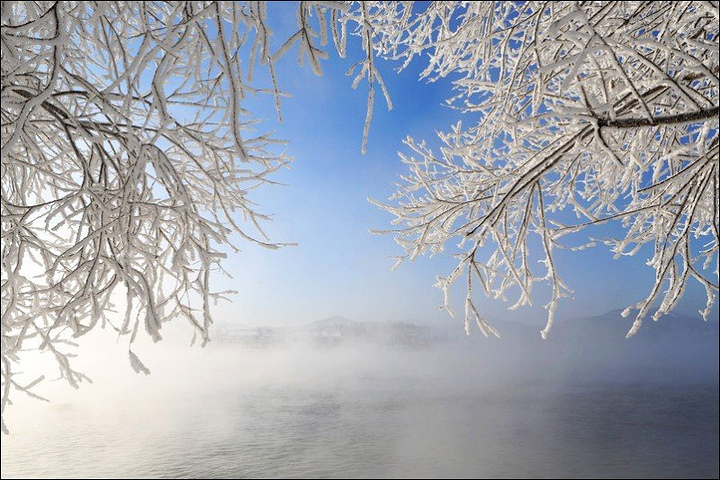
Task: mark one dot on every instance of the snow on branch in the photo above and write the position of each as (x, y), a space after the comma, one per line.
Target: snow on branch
(579, 114)
(128, 159)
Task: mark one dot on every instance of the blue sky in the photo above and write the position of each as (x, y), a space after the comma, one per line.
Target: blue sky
(339, 267)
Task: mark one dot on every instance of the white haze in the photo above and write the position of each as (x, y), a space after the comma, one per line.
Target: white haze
(457, 407)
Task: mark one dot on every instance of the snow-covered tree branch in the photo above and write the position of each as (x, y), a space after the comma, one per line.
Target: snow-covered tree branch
(127, 161)
(584, 113)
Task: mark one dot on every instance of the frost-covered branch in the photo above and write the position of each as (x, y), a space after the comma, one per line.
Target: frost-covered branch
(690, 117)
(128, 159)
(580, 113)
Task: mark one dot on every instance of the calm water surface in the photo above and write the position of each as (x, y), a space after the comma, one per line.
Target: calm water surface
(365, 414)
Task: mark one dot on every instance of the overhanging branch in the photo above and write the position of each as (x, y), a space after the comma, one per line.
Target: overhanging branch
(663, 120)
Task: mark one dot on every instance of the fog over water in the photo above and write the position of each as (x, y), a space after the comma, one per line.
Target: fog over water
(350, 399)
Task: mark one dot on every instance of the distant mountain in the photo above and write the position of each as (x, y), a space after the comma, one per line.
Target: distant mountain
(336, 330)
(676, 346)
(677, 349)
(336, 321)
(613, 326)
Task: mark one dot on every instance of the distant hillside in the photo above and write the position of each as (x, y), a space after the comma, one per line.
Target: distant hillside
(341, 330)
(612, 326)
(679, 346)
(335, 321)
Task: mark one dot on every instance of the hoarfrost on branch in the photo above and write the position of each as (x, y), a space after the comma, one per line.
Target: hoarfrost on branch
(589, 113)
(128, 158)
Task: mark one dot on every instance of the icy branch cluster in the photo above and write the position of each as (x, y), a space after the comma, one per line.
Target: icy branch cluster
(583, 113)
(127, 160)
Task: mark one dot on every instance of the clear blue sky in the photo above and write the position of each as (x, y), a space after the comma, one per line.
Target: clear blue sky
(339, 267)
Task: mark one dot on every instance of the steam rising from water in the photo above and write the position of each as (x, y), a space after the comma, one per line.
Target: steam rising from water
(517, 407)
